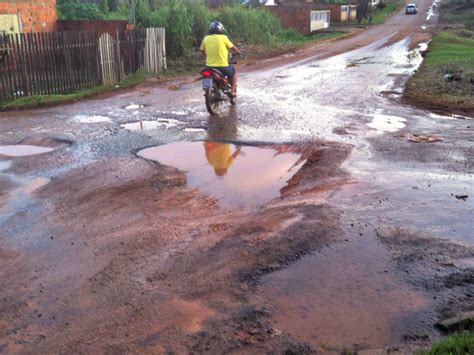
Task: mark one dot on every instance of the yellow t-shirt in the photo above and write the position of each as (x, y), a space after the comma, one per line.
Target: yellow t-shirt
(217, 50)
(218, 155)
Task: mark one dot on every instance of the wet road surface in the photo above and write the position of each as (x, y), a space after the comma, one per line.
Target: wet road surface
(306, 218)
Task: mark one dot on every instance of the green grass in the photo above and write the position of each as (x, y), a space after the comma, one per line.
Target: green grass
(42, 100)
(451, 52)
(449, 48)
(456, 344)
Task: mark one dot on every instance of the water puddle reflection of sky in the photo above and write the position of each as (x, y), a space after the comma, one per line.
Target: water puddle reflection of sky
(236, 175)
(23, 150)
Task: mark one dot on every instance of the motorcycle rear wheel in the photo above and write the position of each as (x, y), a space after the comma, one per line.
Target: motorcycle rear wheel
(212, 104)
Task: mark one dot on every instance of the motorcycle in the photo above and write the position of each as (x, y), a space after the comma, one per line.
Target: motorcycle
(216, 88)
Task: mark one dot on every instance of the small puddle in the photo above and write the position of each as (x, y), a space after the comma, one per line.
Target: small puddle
(32, 185)
(23, 150)
(449, 116)
(151, 125)
(141, 125)
(91, 119)
(384, 123)
(5, 165)
(21, 197)
(342, 296)
(237, 176)
(194, 130)
(133, 107)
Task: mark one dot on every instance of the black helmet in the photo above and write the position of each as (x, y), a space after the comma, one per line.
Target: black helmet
(216, 28)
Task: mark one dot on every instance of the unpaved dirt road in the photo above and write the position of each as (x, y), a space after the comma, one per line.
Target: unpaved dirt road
(318, 215)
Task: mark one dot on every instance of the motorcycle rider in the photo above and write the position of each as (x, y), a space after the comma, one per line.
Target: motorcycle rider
(216, 46)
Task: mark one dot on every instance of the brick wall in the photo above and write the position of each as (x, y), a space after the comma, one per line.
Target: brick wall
(99, 26)
(35, 15)
(297, 16)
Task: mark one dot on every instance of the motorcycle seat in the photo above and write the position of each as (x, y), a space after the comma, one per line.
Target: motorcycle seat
(217, 71)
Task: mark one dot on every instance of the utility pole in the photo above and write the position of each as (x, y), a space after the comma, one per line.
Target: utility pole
(133, 12)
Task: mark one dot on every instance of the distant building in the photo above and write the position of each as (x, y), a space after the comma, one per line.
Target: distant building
(307, 16)
(18, 16)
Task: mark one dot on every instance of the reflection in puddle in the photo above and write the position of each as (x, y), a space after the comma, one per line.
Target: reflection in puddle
(91, 119)
(384, 123)
(23, 150)
(236, 175)
(343, 296)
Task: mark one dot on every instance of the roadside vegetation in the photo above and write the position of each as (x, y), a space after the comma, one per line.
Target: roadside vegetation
(46, 100)
(457, 344)
(445, 80)
(187, 21)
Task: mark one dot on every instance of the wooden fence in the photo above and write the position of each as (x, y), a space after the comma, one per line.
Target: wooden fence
(64, 62)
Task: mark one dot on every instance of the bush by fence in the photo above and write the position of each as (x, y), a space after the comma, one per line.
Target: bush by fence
(64, 62)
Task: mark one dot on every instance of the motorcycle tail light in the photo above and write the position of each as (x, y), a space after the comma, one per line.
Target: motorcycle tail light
(206, 73)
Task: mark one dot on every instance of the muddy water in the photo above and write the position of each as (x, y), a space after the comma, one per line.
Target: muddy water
(235, 175)
(23, 150)
(345, 296)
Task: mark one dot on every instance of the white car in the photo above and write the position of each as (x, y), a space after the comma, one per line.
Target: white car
(411, 9)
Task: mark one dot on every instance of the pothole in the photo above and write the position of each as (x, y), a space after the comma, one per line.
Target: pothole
(236, 175)
(21, 150)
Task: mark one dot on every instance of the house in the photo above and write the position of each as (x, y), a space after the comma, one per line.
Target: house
(306, 16)
(18, 16)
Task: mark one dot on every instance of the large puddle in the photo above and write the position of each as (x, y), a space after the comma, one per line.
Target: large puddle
(343, 297)
(236, 175)
(23, 150)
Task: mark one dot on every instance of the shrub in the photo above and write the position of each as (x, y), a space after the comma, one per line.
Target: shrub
(253, 26)
(457, 344)
(72, 10)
